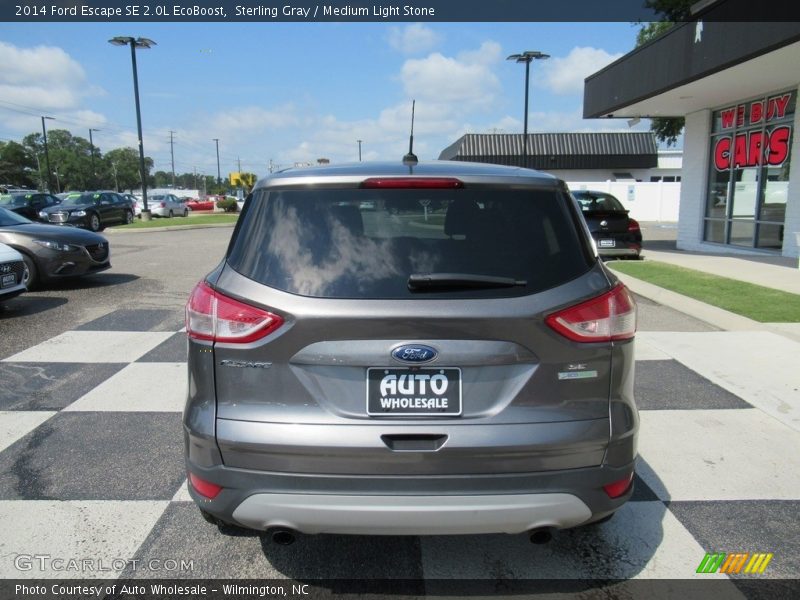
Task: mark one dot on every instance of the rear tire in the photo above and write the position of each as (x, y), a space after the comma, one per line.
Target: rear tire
(128, 217)
(185, 212)
(170, 215)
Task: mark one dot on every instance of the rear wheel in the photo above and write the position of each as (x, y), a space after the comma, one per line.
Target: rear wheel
(94, 222)
(170, 215)
(185, 212)
(128, 217)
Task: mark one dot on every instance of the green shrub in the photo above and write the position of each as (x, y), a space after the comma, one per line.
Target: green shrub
(228, 204)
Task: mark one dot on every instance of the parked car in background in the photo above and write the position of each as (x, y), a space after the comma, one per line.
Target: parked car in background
(90, 210)
(51, 252)
(166, 205)
(13, 274)
(616, 234)
(28, 204)
(207, 203)
(354, 372)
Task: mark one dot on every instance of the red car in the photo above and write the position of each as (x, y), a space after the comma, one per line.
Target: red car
(197, 204)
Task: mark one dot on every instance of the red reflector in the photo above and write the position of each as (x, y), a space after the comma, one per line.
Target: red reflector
(398, 183)
(633, 225)
(203, 487)
(618, 488)
(213, 316)
(611, 316)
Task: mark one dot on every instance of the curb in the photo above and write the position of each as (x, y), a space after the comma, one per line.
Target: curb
(717, 317)
(170, 228)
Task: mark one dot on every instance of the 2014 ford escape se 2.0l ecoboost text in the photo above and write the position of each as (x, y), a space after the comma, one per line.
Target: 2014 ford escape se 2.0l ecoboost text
(451, 359)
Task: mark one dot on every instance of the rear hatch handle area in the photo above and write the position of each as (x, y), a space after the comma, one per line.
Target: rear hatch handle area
(403, 442)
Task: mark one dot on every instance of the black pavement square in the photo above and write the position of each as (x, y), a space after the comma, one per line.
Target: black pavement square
(642, 492)
(669, 385)
(229, 551)
(96, 456)
(746, 526)
(172, 350)
(144, 319)
(49, 386)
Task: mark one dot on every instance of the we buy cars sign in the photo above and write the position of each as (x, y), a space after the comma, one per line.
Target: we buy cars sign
(755, 147)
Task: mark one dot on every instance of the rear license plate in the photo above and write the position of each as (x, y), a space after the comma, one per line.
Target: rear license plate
(414, 392)
(607, 243)
(9, 280)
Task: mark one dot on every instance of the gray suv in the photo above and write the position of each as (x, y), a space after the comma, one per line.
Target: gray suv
(451, 359)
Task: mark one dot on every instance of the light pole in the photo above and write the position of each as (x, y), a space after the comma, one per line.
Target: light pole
(91, 144)
(135, 43)
(526, 57)
(359, 150)
(46, 152)
(219, 176)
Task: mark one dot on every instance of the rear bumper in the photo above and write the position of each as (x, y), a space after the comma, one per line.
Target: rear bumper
(411, 515)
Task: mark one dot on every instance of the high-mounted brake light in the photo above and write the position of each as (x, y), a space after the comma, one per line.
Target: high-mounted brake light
(611, 316)
(213, 316)
(408, 183)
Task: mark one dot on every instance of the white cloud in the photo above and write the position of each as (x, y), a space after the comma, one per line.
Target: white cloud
(565, 75)
(466, 81)
(251, 119)
(42, 78)
(413, 39)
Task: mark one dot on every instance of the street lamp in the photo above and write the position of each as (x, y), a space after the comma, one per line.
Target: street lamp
(46, 152)
(91, 145)
(359, 150)
(219, 177)
(526, 57)
(135, 43)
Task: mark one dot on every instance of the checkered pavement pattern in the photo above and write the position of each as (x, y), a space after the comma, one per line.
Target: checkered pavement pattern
(91, 465)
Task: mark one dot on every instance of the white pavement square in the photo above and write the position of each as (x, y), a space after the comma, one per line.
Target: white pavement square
(738, 454)
(760, 367)
(643, 540)
(139, 387)
(16, 424)
(644, 350)
(108, 533)
(93, 347)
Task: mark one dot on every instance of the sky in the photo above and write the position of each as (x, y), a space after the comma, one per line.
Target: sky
(296, 92)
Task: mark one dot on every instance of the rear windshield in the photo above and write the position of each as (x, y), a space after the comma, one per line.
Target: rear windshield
(598, 202)
(367, 243)
(8, 200)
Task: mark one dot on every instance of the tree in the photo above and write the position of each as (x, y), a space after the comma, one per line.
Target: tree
(17, 165)
(666, 129)
(123, 165)
(70, 158)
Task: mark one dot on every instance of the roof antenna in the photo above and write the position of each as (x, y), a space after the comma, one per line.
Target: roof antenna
(411, 159)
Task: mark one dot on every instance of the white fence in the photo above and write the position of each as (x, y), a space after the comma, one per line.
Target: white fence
(646, 201)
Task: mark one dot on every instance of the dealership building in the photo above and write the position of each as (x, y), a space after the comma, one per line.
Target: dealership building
(736, 84)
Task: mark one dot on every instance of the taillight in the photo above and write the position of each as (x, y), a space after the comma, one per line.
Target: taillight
(213, 316)
(163, 204)
(402, 183)
(611, 316)
(203, 487)
(633, 225)
(619, 487)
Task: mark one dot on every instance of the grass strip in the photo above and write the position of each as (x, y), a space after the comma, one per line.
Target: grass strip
(180, 221)
(756, 302)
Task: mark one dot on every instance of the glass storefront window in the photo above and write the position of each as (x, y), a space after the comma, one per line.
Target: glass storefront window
(747, 185)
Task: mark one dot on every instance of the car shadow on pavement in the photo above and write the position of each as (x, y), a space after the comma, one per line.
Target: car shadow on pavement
(89, 281)
(28, 305)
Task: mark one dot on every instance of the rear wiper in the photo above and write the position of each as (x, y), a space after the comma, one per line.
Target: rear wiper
(427, 281)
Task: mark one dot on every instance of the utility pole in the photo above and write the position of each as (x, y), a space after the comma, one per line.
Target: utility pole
(194, 170)
(239, 162)
(172, 155)
(91, 144)
(219, 176)
(359, 150)
(46, 152)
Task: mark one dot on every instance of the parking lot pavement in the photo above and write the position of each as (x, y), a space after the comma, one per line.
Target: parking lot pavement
(91, 466)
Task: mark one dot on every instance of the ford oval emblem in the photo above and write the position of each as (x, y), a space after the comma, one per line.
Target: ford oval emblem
(414, 353)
